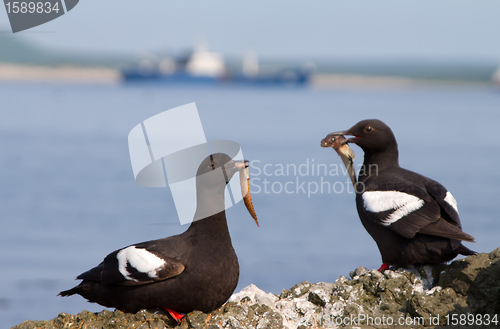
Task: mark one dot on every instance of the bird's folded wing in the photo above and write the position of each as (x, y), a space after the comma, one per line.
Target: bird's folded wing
(444, 229)
(134, 265)
(449, 207)
(405, 211)
(449, 225)
(410, 210)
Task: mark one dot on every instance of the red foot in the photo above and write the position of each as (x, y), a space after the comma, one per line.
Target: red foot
(176, 315)
(383, 267)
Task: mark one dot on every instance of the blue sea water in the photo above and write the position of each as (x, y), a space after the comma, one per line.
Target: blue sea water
(68, 196)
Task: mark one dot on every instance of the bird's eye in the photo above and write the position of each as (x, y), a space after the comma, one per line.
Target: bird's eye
(368, 129)
(211, 165)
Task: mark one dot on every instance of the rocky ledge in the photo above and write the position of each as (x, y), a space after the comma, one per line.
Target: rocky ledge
(463, 294)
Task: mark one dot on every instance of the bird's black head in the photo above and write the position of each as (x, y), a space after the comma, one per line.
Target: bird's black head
(371, 135)
(375, 138)
(220, 163)
(213, 174)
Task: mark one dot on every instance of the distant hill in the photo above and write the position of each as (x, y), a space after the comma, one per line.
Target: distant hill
(15, 49)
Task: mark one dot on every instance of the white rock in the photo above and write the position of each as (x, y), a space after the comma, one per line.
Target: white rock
(256, 295)
(433, 290)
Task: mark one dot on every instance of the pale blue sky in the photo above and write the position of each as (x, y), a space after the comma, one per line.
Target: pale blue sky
(454, 29)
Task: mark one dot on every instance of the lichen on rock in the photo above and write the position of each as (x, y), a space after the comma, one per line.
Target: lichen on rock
(422, 296)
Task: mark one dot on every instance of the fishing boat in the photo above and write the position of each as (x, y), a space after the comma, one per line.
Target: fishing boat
(204, 67)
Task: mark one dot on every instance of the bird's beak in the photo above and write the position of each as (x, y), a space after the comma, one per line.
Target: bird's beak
(330, 139)
(242, 167)
(234, 166)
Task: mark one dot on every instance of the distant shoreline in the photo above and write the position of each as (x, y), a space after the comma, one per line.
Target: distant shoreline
(66, 74)
(101, 75)
(372, 81)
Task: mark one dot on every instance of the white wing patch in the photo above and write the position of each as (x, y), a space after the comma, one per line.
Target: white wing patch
(141, 259)
(402, 204)
(451, 201)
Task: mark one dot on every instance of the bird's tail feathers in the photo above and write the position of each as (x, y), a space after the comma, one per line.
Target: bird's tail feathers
(463, 250)
(68, 292)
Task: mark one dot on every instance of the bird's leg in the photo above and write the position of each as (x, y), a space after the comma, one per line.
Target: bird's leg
(175, 315)
(383, 267)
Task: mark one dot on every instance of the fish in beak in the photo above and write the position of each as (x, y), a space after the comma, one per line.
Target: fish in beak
(339, 143)
(242, 167)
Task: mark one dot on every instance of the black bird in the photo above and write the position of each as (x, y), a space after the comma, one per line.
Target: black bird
(195, 270)
(413, 219)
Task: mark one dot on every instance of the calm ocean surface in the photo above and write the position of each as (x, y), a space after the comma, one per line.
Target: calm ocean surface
(68, 196)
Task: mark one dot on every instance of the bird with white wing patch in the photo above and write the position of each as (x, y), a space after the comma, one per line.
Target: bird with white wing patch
(195, 270)
(413, 219)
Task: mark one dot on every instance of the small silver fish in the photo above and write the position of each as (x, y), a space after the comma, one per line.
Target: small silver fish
(338, 143)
